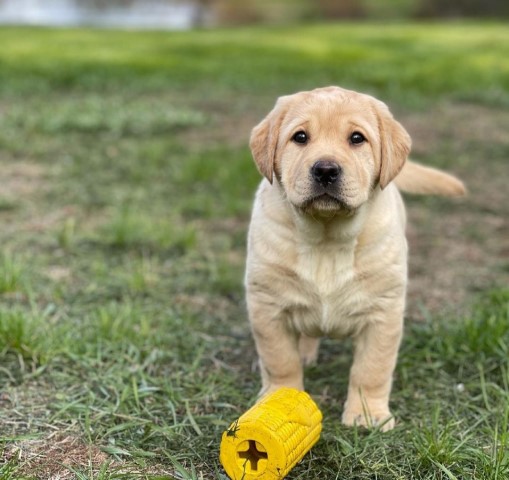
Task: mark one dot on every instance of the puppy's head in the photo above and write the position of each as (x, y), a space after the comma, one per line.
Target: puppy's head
(329, 148)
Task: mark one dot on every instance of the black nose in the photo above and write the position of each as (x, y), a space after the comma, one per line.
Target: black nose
(325, 172)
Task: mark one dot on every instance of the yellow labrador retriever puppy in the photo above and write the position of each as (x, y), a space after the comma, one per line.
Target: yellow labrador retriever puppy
(327, 253)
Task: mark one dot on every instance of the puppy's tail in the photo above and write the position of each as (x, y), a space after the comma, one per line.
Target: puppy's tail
(416, 178)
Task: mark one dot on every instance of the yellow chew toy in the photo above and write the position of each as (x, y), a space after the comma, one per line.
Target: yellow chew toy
(267, 441)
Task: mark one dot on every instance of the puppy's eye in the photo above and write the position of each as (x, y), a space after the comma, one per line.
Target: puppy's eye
(356, 138)
(300, 137)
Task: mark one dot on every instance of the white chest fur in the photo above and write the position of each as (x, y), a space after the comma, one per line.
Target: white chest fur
(330, 292)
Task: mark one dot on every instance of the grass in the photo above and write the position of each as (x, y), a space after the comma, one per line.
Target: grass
(11, 273)
(127, 185)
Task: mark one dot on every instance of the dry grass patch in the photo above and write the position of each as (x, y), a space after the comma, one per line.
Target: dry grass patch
(55, 457)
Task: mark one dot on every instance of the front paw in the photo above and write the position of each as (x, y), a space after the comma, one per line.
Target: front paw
(382, 420)
(272, 387)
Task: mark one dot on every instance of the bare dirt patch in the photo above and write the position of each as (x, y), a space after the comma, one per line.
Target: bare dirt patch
(459, 124)
(61, 455)
(52, 449)
(19, 179)
(55, 457)
(459, 247)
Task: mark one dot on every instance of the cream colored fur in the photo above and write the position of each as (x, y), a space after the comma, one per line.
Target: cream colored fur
(332, 265)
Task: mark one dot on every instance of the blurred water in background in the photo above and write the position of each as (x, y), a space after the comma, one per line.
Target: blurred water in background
(164, 14)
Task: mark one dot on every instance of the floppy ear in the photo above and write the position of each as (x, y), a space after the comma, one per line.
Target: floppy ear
(395, 144)
(264, 137)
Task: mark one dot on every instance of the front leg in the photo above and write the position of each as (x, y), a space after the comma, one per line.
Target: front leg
(376, 351)
(277, 346)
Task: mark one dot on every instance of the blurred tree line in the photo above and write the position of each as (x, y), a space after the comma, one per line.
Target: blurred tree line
(230, 12)
(277, 11)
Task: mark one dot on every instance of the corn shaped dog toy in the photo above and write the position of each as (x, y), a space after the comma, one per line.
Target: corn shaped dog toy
(268, 440)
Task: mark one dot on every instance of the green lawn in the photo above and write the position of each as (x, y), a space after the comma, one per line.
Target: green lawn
(126, 190)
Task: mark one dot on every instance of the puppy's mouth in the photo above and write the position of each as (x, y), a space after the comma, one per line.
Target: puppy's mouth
(327, 205)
